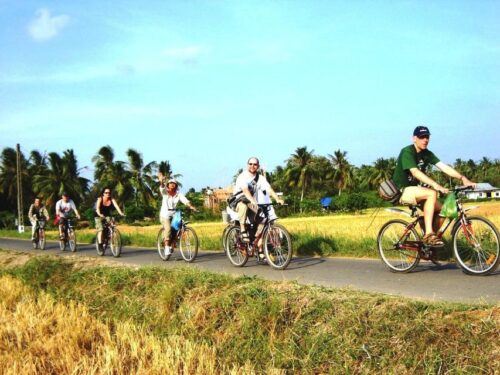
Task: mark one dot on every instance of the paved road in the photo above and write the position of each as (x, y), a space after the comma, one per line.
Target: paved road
(445, 283)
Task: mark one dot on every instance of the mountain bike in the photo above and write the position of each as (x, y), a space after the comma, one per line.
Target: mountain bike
(110, 237)
(276, 241)
(69, 235)
(185, 237)
(475, 241)
(39, 235)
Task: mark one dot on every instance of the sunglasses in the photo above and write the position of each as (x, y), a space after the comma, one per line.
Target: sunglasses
(253, 164)
(107, 192)
(423, 137)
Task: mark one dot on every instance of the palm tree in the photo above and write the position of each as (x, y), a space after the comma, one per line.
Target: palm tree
(142, 179)
(343, 175)
(382, 170)
(62, 175)
(8, 177)
(300, 170)
(485, 165)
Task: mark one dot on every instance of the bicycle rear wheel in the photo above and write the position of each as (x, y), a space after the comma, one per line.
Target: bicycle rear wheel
(160, 244)
(278, 247)
(476, 246)
(391, 246)
(235, 249)
(188, 244)
(116, 243)
(34, 242)
(72, 240)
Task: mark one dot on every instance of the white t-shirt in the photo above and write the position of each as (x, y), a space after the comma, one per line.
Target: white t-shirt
(65, 208)
(169, 202)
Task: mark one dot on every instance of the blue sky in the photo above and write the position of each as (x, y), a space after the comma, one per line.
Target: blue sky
(205, 84)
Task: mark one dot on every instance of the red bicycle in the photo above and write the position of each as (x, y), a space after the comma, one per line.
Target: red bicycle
(475, 241)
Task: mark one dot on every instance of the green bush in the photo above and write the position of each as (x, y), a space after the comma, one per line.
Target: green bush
(134, 213)
(7, 219)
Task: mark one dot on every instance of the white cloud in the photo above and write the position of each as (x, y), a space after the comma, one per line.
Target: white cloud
(45, 26)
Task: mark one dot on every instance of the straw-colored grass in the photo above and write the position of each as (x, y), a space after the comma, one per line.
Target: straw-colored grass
(39, 335)
(70, 318)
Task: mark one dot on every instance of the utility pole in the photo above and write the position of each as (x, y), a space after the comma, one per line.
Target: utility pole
(20, 219)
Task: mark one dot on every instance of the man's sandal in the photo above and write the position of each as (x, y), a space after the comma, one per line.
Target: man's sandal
(432, 240)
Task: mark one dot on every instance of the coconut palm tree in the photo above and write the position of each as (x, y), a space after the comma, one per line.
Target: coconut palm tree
(62, 175)
(8, 178)
(142, 177)
(343, 176)
(382, 170)
(300, 170)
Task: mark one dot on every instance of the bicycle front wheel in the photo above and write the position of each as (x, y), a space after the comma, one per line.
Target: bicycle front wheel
(160, 244)
(476, 246)
(394, 248)
(235, 249)
(278, 247)
(41, 239)
(188, 244)
(72, 240)
(116, 243)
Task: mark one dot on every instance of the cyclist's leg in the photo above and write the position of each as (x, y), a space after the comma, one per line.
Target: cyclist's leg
(241, 209)
(438, 220)
(165, 222)
(61, 225)
(99, 228)
(34, 227)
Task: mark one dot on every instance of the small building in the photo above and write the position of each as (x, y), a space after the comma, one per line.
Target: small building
(214, 197)
(483, 190)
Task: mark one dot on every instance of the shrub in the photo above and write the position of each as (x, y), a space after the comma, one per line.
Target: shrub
(134, 213)
(7, 219)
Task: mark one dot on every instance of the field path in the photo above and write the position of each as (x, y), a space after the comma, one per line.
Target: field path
(445, 283)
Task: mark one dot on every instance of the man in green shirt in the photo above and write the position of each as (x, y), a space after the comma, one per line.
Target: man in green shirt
(416, 186)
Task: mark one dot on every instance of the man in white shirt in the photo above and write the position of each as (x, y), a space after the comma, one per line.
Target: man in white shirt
(170, 199)
(247, 185)
(64, 207)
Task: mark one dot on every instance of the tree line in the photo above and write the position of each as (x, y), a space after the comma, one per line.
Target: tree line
(304, 178)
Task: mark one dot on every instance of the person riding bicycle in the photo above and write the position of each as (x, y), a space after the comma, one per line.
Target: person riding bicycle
(64, 207)
(416, 187)
(245, 191)
(103, 210)
(37, 212)
(170, 199)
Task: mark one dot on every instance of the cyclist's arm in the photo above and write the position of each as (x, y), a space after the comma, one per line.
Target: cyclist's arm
(98, 207)
(46, 213)
(186, 202)
(74, 209)
(422, 177)
(58, 209)
(30, 213)
(117, 207)
(452, 172)
(248, 195)
(275, 196)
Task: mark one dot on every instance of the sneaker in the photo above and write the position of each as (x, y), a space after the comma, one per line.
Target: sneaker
(168, 250)
(245, 237)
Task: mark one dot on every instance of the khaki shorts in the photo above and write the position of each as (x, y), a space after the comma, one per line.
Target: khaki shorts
(409, 195)
(165, 222)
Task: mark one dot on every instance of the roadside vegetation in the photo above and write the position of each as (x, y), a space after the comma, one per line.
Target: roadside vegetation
(76, 316)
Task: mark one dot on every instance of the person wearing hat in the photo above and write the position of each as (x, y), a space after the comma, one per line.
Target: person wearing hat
(417, 188)
(64, 207)
(170, 199)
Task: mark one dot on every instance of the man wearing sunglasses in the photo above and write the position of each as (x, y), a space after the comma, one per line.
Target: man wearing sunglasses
(245, 190)
(417, 188)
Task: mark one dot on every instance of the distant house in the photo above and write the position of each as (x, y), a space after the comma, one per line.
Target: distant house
(483, 190)
(214, 197)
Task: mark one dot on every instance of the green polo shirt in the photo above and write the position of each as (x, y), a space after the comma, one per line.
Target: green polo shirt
(409, 158)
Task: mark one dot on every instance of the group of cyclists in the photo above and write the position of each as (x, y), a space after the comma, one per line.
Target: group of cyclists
(411, 180)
